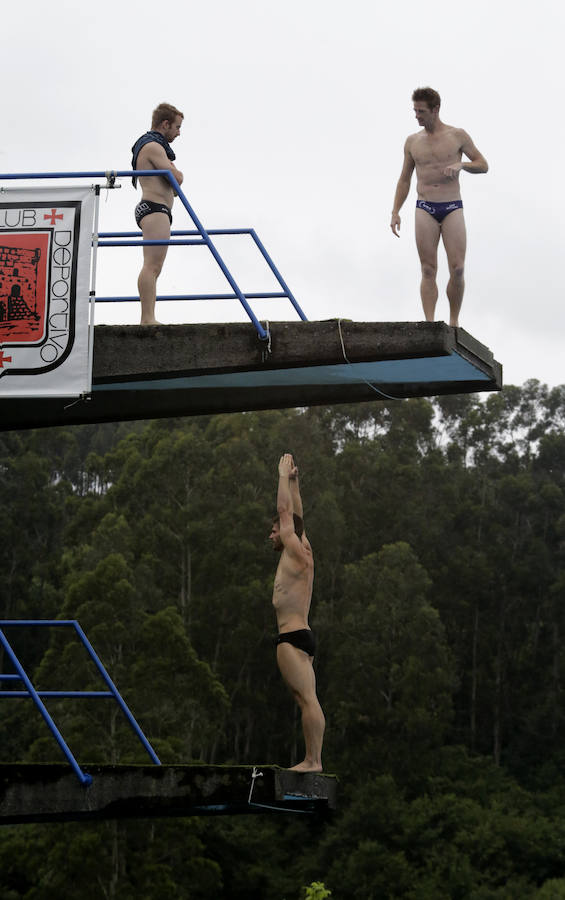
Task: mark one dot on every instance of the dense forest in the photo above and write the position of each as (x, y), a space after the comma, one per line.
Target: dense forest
(438, 530)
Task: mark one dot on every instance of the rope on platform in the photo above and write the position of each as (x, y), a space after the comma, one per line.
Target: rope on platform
(254, 776)
(84, 397)
(368, 383)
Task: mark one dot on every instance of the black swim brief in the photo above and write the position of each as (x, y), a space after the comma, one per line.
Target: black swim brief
(303, 639)
(439, 210)
(145, 207)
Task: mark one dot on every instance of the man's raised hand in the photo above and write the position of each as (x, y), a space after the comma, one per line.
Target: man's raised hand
(286, 465)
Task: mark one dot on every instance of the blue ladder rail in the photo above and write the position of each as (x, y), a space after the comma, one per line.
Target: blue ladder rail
(37, 696)
(199, 236)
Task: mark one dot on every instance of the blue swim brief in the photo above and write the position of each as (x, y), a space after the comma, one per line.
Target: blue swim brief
(145, 207)
(439, 210)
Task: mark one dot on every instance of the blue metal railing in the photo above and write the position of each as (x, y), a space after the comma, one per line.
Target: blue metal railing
(127, 239)
(37, 696)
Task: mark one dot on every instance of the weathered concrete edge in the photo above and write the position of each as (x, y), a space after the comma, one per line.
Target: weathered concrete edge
(135, 351)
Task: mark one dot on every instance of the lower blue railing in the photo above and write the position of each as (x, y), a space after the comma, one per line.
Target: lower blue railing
(38, 696)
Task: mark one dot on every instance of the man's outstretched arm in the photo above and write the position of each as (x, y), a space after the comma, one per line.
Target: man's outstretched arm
(287, 493)
(295, 493)
(285, 506)
(297, 503)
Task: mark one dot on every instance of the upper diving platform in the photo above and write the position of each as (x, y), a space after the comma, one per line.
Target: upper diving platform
(50, 242)
(143, 372)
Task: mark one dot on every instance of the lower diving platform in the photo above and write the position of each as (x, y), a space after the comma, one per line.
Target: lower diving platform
(52, 792)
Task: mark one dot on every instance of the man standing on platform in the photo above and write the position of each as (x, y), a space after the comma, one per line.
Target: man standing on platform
(153, 213)
(436, 154)
(292, 594)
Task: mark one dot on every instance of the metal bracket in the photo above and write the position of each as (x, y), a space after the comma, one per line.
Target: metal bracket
(266, 341)
(111, 180)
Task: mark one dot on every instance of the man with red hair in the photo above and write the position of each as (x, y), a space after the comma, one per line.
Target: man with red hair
(153, 213)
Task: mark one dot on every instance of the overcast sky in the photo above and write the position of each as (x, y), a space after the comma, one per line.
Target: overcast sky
(296, 115)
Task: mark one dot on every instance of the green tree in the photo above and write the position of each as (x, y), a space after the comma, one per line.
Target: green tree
(390, 701)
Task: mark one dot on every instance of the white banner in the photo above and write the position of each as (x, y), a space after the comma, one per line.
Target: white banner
(45, 253)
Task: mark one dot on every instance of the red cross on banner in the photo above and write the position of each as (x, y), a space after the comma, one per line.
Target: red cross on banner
(4, 359)
(53, 215)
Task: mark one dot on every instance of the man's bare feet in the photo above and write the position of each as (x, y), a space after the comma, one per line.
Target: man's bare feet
(150, 322)
(306, 767)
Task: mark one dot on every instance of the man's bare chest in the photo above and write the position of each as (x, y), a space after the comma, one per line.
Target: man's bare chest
(434, 151)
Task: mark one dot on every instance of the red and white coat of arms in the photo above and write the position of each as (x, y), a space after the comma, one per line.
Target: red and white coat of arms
(45, 251)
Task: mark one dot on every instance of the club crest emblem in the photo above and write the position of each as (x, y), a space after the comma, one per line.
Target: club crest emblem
(38, 267)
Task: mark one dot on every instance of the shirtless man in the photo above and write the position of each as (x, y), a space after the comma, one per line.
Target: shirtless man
(436, 154)
(292, 594)
(153, 214)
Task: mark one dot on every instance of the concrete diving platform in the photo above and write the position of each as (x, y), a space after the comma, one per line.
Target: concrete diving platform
(147, 372)
(52, 792)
